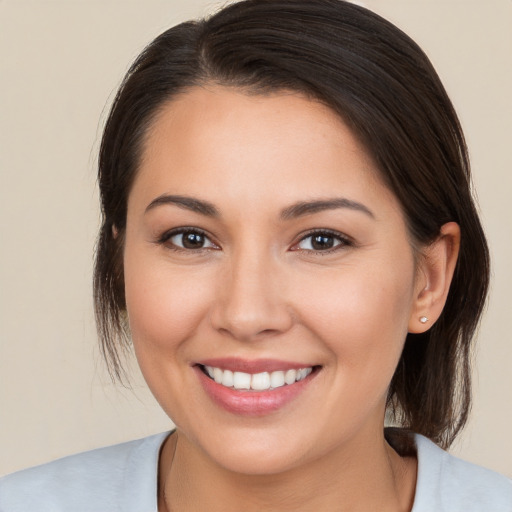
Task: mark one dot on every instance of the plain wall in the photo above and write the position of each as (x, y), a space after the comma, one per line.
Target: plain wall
(60, 62)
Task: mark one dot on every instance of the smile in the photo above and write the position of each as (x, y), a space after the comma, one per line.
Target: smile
(254, 388)
(264, 381)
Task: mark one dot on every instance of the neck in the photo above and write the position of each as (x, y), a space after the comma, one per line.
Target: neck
(361, 477)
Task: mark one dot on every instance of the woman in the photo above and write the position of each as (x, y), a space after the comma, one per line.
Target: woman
(290, 243)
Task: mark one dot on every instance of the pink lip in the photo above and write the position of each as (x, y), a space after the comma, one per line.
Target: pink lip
(248, 402)
(236, 364)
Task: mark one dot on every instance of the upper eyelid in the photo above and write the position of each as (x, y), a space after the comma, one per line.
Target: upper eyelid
(329, 232)
(184, 229)
(164, 239)
(345, 242)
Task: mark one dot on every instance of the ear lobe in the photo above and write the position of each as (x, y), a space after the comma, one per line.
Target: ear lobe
(115, 232)
(435, 275)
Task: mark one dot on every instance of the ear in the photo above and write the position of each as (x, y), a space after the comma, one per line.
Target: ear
(433, 279)
(115, 232)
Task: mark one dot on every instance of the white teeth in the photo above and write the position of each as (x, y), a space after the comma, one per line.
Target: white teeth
(276, 379)
(290, 376)
(303, 373)
(259, 381)
(227, 378)
(241, 380)
(217, 375)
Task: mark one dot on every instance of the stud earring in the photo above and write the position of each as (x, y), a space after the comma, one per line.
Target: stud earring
(423, 319)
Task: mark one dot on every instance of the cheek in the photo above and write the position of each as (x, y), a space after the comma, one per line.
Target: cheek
(362, 321)
(362, 315)
(164, 308)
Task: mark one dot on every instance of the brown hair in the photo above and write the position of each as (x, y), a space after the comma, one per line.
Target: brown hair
(380, 83)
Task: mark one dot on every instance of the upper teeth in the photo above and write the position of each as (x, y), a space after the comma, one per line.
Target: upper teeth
(257, 381)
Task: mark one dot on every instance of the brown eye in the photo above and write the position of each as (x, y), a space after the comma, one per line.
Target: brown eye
(322, 241)
(190, 240)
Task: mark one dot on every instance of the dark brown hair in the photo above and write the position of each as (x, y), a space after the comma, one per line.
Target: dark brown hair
(380, 83)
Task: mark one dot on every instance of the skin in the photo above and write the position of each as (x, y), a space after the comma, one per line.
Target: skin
(258, 290)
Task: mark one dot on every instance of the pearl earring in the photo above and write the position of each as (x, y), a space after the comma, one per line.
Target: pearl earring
(423, 319)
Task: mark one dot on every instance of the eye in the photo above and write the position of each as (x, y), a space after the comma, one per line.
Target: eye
(322, 241)
(187, 239)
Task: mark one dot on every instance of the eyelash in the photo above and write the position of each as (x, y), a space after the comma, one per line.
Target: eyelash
(343, 240)
(166, 237)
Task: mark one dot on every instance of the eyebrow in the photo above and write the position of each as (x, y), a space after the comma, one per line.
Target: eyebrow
(296, 210)
(187, 203)
(309, 207)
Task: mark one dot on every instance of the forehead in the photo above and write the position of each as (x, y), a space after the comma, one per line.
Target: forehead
(282, 147)
(213, 113)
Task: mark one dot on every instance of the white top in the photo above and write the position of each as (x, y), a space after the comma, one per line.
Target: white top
(123, 478)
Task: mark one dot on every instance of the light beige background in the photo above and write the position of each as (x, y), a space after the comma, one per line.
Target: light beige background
(60, 62)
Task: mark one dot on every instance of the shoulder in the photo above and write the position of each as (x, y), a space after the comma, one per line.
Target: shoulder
(118, 477)
(449, 484)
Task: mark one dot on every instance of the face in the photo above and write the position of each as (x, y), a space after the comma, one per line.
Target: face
(263, 251)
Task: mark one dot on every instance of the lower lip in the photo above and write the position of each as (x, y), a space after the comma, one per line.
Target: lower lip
(252, 403)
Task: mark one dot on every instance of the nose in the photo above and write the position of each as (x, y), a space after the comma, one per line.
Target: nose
(251, 300)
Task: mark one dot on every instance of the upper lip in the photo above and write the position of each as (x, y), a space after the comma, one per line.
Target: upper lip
(236, 364)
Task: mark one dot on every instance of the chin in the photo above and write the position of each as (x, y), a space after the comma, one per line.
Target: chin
(257, 462)
(252, 451)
